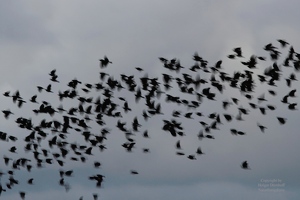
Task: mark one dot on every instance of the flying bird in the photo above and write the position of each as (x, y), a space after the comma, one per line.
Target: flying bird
(245, 165)
(104, 62)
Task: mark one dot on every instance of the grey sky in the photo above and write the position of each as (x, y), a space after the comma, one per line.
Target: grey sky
(71, 37)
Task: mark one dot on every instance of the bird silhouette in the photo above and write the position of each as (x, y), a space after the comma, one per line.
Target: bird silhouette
(22, 195)
(281, 120)
(245, 165)
(104, 62)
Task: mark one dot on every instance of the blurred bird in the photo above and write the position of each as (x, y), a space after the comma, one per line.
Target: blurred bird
(245, 165)
(104, 62)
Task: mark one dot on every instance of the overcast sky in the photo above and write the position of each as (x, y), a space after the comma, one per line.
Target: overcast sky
(71, 36)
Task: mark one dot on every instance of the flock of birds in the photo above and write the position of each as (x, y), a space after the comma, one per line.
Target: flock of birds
(47, 141)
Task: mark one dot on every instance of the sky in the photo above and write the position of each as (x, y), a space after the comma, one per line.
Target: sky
(71, 36)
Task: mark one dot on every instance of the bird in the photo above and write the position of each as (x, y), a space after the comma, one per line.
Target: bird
(283, 42)
(95, 196)
(7, 113)
(238, 51)
(13, 149)
(22, 195)
(33, 99)
(6, 94)
(199, 151)
(145, 134)
(178, 146)
(97, 164)
(104, 62)
(191, 157)
(292, 106)
(48, 88)
(134, 172)
(68, 173)
(139, 69)
(292, 93)
(281, 120)
(245, 165)
(261, 127)
(30, 181)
